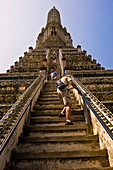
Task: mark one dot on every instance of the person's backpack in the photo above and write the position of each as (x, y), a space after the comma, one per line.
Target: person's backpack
(60, 85)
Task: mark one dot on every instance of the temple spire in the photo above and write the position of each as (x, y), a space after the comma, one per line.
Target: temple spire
(53, 15)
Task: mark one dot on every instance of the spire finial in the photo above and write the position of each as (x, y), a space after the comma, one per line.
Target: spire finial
(53, 15)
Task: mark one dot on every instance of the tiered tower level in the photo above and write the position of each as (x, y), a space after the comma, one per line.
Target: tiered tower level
(52, 38)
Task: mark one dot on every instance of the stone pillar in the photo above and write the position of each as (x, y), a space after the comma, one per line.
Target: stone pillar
(48, 60)
(30, 49)
(79, 47)
(61, 62)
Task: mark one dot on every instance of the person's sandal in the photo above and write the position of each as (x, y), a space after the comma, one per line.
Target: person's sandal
(61, 115)
(68, 123)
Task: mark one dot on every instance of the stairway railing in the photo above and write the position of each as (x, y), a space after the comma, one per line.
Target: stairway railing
(12, 123)
(61, 62)
(101, 118)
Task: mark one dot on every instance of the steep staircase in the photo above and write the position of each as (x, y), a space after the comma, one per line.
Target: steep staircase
(52, 145)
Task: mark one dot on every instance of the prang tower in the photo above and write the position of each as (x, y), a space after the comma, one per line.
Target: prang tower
(32, 136)
(53, 40)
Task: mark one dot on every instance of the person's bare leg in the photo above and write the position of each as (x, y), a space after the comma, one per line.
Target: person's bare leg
(63, 110)
(62, 114)
(68, 113)
(68, 116)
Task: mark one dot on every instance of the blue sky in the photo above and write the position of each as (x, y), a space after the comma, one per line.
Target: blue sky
(90, 23)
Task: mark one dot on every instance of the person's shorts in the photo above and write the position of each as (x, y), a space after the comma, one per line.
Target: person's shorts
(64, 97)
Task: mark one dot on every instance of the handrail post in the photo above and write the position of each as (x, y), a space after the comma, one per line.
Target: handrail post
(87, 118)
(27, 121)
(80, 99)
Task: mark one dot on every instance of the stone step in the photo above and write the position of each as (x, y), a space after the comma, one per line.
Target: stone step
(50, 89)
(56, 165)
(52, 93)
(50, 85)
(56, 147)
(42, 102)
(26, 155)
(48, 92)
(58, 128)
(51, 119)
(57, 144)
(49, 96)
(61, 160)
(55, 130)
(61, 139)
(52, 98)
(48, 99)
(54, 112)
(53, 107)
(67, 133)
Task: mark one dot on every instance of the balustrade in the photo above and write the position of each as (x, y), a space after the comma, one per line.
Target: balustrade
(11, 124)
(101, 117)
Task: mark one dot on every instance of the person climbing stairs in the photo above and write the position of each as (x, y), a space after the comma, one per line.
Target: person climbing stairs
(50, 145)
